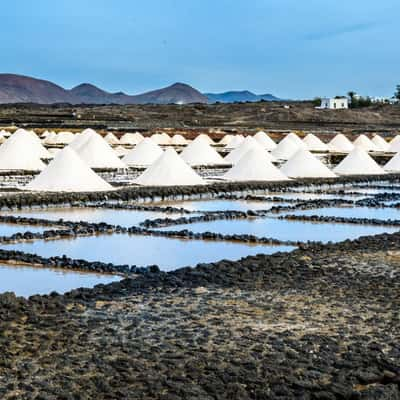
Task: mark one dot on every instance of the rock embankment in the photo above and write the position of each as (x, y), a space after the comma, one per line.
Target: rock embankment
(321, 322)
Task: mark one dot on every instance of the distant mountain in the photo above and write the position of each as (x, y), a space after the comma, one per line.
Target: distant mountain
(238, 96)
(179, 93)
(91, 94)
(23, 89)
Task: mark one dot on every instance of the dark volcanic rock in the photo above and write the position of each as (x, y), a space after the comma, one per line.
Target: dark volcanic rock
(318, 323)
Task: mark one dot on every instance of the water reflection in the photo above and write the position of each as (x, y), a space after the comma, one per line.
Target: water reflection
(125, 218)
(222, 205)
(353, 212)
(26, 281)
(11, 229)
(315, 196)
(287, 230)
(168, 253)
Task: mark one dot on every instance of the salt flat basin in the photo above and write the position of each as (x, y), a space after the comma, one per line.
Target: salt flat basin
(11, 229)
(380, 183)
(285, 229)
(27, 281)
(126, 218)
(352, 212)
(372, 191)
(314, 196)
(167, 253)
(222, 205)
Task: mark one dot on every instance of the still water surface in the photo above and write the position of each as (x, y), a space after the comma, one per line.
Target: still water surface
(222, 205)
(286, 230)
(126, 218)
(352, 212)
(167, 253)
(27, 281)
(11, 229)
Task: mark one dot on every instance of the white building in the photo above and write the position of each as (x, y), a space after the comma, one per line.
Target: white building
(334, 103)
(384, 100)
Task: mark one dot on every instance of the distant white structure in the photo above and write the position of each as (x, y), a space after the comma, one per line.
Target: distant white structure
(340, 103)
(384, 100)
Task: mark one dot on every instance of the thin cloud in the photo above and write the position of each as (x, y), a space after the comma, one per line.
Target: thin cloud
(327, 34)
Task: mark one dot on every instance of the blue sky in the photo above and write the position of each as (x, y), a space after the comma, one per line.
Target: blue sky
(291, 48)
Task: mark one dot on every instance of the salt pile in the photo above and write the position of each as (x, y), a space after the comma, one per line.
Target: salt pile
(303, 164)
(178, 140)
(82, 137)
(394, 146)
(358, 162)
(68, 173)
(65, 137)
(226, 140)
(313, 143)
(200, 153)
(235, 141)
(295, 138)
(393, 165)
(380, 143)
(169, 170)
(254, 166)
(160, 139)
(22, 152)
(365, 143)
(97, 153)
(340, 144)
(248, 144)
(54, 150)
(264, 140)
(144, 154)
(110, 138)
(121, 151)
(205, 138)
(49, 139)
(62, 138)
(286, 148)
(22, 137)
(33, 139)
(131, 139)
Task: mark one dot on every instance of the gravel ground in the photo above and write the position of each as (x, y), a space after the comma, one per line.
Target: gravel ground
(319, 323)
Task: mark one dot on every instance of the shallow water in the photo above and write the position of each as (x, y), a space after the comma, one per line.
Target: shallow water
(167, 253)
(315, 196)
(26, 281)
(373, 191)
(126, 218)
(352, 212)
(222, 205)
(10, 229)
(286, 230)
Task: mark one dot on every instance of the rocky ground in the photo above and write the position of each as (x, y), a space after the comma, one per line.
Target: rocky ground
(192, 118)
(322, 322)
